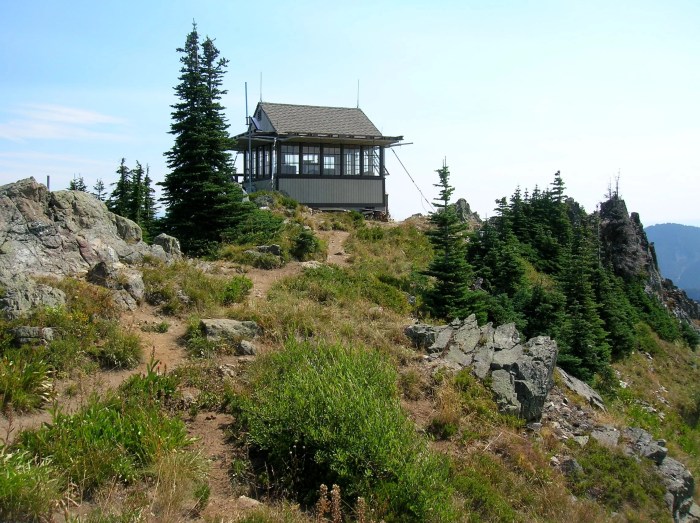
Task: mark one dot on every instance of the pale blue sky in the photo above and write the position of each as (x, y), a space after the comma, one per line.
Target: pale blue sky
(509, 92)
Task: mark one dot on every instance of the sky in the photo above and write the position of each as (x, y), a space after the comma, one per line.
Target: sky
(505, 92)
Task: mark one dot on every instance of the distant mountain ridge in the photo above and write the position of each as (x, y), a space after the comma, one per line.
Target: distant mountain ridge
(678, 254)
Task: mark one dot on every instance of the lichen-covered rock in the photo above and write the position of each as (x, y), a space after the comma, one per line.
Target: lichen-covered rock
(19, 294)
(118, 277)
(27, 335)
(229, 331)
(520, 375)
(170, 244)
(679, 488)
(61, 233)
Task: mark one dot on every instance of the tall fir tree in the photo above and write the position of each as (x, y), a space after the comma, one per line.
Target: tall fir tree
(118, 201)
(200, 197)
(450, 296)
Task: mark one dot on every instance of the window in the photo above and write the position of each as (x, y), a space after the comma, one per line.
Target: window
(352, 161)
(311, 159)
(331, 161)
(290, 159)
(266, 162)
(370, 161)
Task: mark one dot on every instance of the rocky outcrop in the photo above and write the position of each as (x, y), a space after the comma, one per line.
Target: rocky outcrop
(61, 233)
(520, 374)
(466, 215)
(233, 333)
(627, 249)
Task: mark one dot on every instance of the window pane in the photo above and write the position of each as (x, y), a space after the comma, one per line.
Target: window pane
(290, 159)
(331, 161)
(310, 158)
(370, 160)
(352, 161)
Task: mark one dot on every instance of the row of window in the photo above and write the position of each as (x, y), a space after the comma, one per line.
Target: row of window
(316, 160)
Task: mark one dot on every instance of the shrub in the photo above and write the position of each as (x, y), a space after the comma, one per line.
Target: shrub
(258, 226)
(29, 490)
(107, 440)
(121, 350)
(154, 386)
(330, 414)
(236, 289)
(305, 245)
(182, 286)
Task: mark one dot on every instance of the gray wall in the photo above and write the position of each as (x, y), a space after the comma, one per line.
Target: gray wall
(335, 192)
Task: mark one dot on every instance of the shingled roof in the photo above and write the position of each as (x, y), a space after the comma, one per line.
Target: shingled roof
(296, 119)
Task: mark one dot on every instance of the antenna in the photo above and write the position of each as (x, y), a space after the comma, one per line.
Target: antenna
(261, 86)
(358, 93)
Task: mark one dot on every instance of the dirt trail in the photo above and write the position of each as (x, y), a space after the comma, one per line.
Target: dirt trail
(209, 428)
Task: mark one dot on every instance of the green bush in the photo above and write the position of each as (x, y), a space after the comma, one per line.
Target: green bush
(121, 350)
(258, 226)
(29, 489)
(330, 414)
(236, 289)
(305, 245)
(107, 440)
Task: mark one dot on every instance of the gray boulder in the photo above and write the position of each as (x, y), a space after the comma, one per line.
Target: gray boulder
(169, 244)
(118, 277)
(270, 249)
(422, 335)
(229, 331)
(582, 389)
(606, 435)
(19, 294)
(27, 335)
(530, 367)
(641, 443)
(679, 488)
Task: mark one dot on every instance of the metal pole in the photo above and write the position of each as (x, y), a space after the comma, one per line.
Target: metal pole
(250, 146)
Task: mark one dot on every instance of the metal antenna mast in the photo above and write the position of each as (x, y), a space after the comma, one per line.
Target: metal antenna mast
(250, 146)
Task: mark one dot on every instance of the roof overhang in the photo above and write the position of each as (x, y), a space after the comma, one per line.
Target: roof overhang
(262, 138)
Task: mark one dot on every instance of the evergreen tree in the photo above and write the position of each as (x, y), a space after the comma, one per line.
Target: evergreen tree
(77, 184)
(119, 200)
(202, 202)
(136, 196)
(149, 208)
(450, 296)
(100, 190)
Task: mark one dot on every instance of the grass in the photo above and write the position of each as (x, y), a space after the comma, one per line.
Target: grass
(108, 439)
(29, 490)
(183, 287)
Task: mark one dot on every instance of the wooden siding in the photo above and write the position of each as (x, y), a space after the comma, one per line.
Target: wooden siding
(335, 192)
